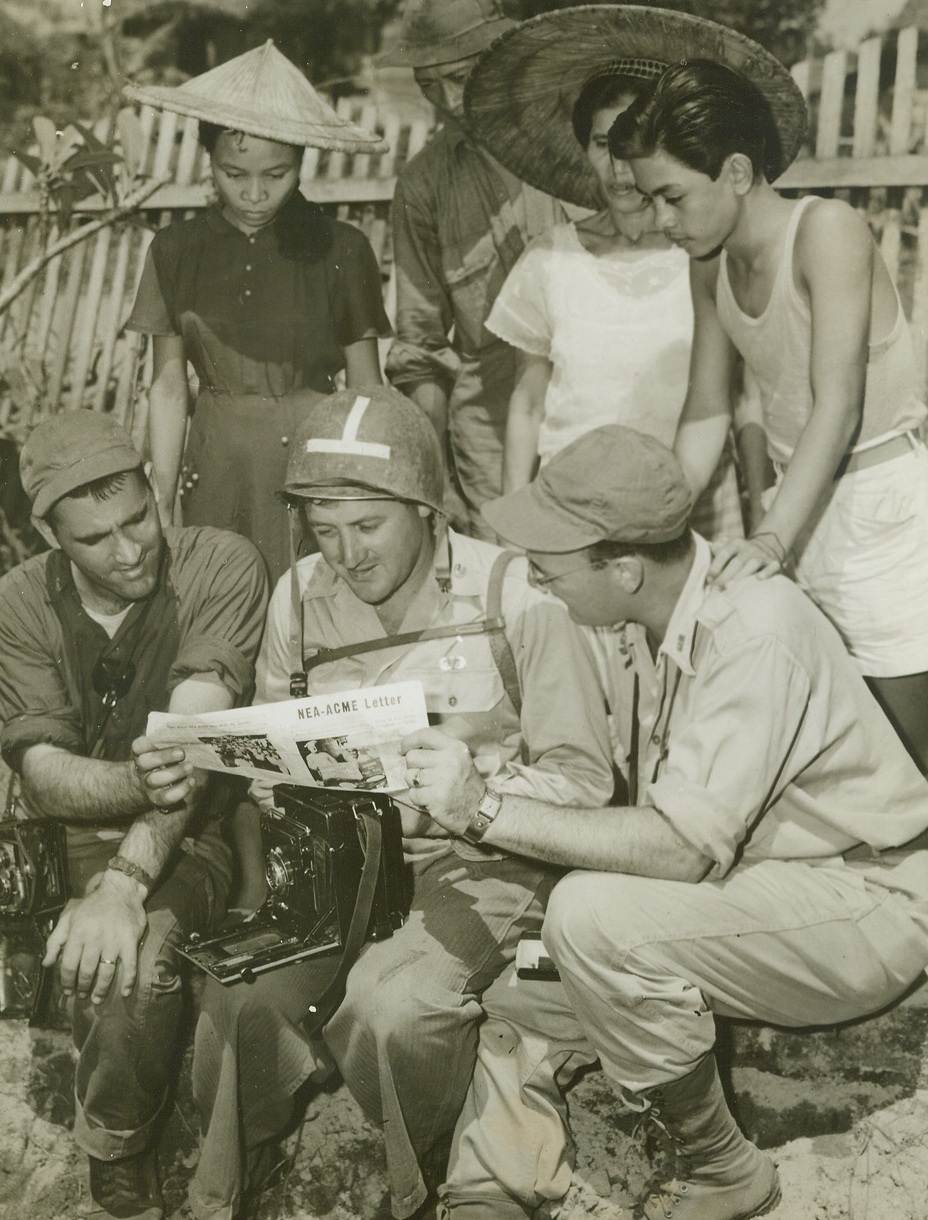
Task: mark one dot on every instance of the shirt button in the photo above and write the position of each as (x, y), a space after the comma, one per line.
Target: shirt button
(285, 440)
(459, 569)
(655, 739)
(452, 700)
(251, 239)
(247, 292)
(248, 266)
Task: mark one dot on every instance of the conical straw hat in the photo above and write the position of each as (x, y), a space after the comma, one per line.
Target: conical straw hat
(520, 96)
(262, 94)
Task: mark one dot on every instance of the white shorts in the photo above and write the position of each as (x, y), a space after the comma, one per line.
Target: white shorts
(864, 561)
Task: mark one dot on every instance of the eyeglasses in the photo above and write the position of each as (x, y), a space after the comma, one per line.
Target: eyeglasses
(112, 680)
(541, 580)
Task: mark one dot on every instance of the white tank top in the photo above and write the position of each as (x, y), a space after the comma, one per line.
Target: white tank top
(777, 348)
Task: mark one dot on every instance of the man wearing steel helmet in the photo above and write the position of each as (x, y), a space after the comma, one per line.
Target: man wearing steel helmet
(460, 222)
(758, 870)
(364, 479)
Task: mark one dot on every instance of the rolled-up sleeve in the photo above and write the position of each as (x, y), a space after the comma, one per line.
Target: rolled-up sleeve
(224, 615)
(710, 788)
(568, 758)
(35, 705)
(422, 350)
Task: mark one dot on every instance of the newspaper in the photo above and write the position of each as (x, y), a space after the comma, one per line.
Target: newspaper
(349, 739)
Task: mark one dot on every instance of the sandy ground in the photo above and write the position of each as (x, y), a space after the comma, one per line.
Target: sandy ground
(875, 1170)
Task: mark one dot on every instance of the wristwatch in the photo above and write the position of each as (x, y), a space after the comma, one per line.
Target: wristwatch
(487, 808)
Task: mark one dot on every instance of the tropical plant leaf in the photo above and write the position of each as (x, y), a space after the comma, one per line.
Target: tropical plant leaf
(33, 164)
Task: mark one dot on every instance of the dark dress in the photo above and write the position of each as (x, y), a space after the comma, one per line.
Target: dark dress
(265, 319)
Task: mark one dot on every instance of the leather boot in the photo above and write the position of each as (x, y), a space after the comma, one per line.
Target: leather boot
(717, 1174)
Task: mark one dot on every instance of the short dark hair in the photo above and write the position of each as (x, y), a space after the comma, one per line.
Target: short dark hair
(675, 550)
(601, 92)
(209, 133)
(98, 489)
(700, 112)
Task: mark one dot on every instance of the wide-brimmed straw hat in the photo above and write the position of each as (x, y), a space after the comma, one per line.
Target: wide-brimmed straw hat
(521, 94)
(440, 31)
(262, 94)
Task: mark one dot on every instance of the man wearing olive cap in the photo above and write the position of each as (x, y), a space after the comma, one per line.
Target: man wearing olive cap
(119, 619)
(770, 862)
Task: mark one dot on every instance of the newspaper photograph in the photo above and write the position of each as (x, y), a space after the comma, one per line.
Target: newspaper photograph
(348, 739)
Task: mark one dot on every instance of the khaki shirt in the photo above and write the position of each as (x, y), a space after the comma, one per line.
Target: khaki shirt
(759, 739)
(557, 751)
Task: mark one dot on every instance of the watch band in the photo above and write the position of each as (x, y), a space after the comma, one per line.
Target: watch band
(120, 864)
(487, 808)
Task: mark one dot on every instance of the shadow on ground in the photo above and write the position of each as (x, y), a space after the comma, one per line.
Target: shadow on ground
(843, 1111)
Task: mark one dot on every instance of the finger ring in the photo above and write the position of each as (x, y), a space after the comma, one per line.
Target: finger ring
(107, 961)
(417, 779)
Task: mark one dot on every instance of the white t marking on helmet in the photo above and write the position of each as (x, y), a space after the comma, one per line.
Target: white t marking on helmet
(349, 442)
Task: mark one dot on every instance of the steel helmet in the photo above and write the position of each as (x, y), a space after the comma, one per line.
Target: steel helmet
(362, 443)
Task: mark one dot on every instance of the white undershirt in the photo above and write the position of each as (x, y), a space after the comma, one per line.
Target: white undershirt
(109, 622)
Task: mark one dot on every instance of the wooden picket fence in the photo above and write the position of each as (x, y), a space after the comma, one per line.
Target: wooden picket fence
(63, 342)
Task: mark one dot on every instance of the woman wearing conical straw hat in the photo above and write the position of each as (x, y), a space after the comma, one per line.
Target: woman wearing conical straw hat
(266, 296)
(599, 308)
(268, 299)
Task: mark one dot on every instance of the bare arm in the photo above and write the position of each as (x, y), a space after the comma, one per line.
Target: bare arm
(169, 398)
(526, 411)
(104, 927)
(834, 262)
(707, 411)
(362, 363)
(626, 840)
(432, 398)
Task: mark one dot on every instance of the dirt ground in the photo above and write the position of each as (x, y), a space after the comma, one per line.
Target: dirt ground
(868, 1159)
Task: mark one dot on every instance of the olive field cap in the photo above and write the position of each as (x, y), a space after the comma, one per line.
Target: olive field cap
(520, 97)
(365, 444)
(612, 484)
(70, 450)
(441, 31)
(261, 93)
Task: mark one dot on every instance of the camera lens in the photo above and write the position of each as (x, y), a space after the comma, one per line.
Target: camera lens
(12, 890)
(280, 870)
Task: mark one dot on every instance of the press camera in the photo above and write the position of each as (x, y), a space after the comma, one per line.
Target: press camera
(314, 846)
(33, 892)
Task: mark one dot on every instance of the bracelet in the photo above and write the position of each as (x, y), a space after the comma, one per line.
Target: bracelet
(771, 547)
(119, 864)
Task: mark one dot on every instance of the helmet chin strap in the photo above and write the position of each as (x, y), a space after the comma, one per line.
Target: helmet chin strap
(299, 682)
(493, 625)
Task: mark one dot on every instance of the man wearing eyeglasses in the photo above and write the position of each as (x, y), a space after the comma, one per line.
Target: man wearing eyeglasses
(771, 861)
(119, 619)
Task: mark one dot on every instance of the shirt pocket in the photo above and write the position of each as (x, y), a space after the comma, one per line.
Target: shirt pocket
(473, 278)
(472, 690)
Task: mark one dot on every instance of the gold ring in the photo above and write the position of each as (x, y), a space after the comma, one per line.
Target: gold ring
(417, 778)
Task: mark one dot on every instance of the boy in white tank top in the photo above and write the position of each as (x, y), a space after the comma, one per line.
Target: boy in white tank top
(799, 289)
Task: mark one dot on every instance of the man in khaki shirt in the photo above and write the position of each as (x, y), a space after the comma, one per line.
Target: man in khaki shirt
(770, 862)
(460, 222)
